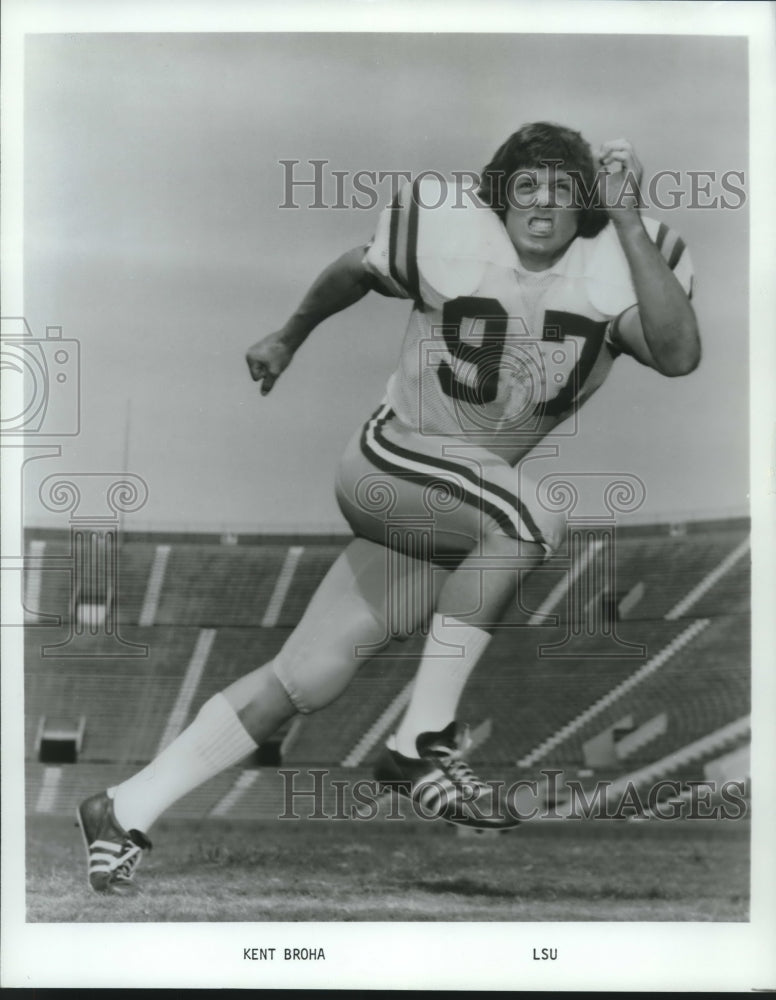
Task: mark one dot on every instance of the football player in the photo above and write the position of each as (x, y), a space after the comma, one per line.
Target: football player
(522, 299)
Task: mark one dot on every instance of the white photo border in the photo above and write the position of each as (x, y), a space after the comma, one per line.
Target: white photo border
(604, 956)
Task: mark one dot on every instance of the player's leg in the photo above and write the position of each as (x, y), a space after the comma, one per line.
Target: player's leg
(483, 517)
(345, 616)
(350, 618)
(470, 605)
(342, 626)
(424, 759)
(467, 499)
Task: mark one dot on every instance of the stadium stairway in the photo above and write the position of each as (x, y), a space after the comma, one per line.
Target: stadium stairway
(700, 680)
(676, 764)
(581, 722)
(718, 583)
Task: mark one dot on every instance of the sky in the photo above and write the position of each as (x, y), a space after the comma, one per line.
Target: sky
(153, 234)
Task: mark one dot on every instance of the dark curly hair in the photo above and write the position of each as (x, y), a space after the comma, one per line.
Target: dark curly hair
(530, 147)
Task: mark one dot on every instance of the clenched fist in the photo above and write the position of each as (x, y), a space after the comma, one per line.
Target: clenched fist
(268, 359)
(622, 184)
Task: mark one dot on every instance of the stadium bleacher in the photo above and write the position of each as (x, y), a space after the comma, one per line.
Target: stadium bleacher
(208, 612)
(700, 690)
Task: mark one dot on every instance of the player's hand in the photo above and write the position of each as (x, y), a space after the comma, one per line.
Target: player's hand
(622, 181)
(268, 359)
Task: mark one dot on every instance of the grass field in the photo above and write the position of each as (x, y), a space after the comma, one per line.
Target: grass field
(214, 870)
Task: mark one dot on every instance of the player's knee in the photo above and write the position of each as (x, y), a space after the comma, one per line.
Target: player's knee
(516, 553)
(313, 686)
(553, 532)
(538, 518)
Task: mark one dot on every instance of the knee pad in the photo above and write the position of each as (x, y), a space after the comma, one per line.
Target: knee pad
(367, 598)
(315, 681)
(340, 625)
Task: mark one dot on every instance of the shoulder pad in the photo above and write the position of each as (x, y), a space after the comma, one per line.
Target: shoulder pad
(606, 271)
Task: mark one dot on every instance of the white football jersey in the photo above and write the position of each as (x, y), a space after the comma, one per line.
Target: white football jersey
(493, 351)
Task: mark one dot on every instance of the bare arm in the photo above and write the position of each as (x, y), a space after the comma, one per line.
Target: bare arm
(661, 331)
(341, 284)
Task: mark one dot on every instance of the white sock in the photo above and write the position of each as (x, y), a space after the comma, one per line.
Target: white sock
(215, 740)
(440, 680)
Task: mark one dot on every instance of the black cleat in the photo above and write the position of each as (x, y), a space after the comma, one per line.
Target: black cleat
(441, 784)
(112, 852)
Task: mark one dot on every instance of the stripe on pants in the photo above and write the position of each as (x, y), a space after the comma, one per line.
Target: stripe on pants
(504, 507)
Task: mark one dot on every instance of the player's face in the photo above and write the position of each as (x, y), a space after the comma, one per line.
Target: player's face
(541, 217)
